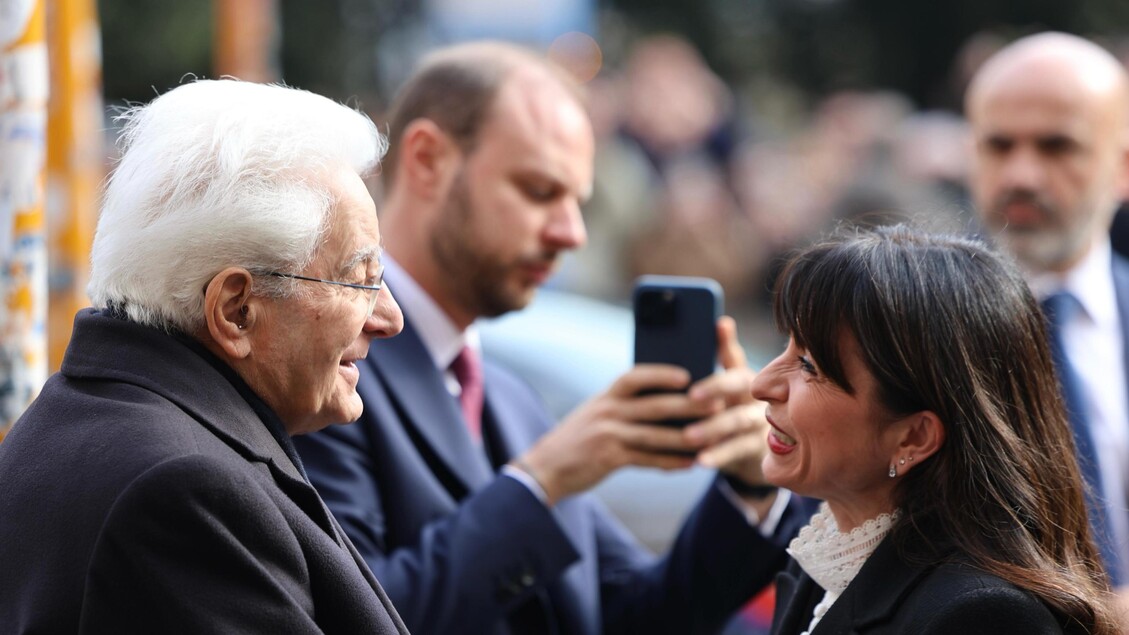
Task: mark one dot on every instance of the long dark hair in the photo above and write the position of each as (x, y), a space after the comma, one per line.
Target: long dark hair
(946, 324)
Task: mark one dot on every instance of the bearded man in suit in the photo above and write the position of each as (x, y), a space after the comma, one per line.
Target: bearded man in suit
(472, 510)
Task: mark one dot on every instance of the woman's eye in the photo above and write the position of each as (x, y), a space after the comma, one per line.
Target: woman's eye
(806, 365)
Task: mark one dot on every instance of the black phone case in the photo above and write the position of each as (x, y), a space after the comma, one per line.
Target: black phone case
(676, 323)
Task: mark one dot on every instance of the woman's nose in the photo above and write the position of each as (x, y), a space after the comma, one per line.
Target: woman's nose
(767, 385)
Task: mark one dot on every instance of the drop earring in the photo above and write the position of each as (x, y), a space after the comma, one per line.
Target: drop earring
(893, 471)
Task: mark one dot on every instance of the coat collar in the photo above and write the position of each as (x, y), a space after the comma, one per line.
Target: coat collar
(107, 347)
(111, 348)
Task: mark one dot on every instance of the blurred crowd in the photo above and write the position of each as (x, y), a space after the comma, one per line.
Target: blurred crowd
(697, 177)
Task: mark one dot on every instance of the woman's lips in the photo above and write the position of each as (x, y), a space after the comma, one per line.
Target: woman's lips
(780, 443)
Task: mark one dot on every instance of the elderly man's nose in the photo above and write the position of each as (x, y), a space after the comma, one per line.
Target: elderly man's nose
(386, 318)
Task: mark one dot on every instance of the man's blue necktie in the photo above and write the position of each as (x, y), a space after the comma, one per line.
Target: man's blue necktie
(1059, 308)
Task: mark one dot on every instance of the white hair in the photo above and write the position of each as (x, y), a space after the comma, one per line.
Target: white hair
(215, 174)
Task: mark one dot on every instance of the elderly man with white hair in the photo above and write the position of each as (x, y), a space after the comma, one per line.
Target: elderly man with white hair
(236, 281)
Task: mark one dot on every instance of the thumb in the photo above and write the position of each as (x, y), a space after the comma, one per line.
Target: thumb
(729, 351)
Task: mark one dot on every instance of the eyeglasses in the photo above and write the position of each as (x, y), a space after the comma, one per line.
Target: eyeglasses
(373, 291)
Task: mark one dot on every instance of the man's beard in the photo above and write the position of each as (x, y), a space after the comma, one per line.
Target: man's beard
(475, 277)
(1050, 246)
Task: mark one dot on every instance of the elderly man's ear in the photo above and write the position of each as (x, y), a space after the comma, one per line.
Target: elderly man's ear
(230, 311)
(428, 157)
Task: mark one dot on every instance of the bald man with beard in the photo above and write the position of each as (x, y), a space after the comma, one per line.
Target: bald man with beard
(1050, 118)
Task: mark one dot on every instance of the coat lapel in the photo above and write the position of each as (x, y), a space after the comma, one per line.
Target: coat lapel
(876, 592)
(794, 602)
(413, 383)
(508, 422)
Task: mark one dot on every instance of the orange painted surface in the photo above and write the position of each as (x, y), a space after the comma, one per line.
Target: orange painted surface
(75, 162)
(23, 271)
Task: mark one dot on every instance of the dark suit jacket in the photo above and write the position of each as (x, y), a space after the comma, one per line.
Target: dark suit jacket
(891, 597)
(142, 494)
(461, 550)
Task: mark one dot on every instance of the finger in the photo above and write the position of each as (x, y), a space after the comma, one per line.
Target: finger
(744, 419)
(661, 460)
(664, 406)
(742, 450)
(729, 352)
(734, 386)
(649, 437)
(650, 377)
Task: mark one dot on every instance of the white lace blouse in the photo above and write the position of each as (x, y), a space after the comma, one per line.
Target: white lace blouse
(832, 558)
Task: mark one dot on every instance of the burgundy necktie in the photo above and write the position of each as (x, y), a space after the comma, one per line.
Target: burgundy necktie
(468, 370)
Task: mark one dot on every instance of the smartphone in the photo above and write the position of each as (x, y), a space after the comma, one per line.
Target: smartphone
(676, 323)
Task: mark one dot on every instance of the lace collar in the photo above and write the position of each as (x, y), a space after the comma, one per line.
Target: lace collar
(832, 558)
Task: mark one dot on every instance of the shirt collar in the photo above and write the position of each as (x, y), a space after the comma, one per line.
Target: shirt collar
(1090, 281)
(442, 339)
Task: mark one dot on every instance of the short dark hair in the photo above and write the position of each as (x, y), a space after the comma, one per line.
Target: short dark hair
(948, 325)
(456, 87)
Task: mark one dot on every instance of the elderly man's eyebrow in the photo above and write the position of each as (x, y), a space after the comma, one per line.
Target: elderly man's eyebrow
(363, 255)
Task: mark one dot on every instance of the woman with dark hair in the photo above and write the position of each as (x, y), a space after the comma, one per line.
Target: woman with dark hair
(917, 399)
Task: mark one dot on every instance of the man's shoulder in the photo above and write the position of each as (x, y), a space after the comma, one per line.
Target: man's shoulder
(71, 416)
(960, 577)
